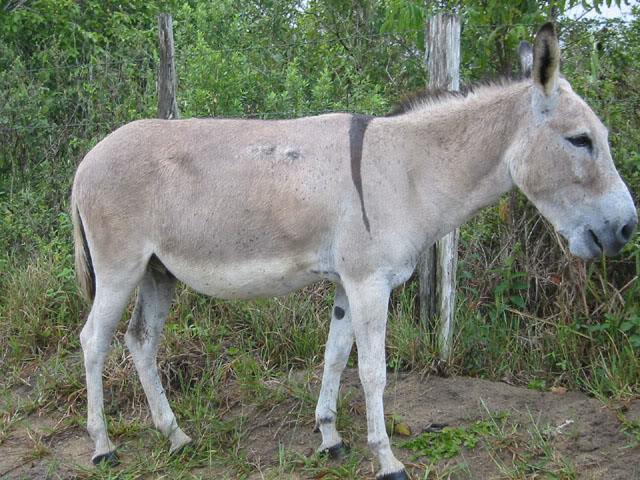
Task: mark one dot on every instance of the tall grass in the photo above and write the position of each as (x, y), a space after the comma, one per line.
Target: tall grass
(208, 342)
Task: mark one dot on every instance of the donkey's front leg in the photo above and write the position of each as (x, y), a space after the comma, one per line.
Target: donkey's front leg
(336, 354)
(369, 302)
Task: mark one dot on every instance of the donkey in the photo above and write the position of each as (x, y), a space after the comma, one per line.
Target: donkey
(247, 208)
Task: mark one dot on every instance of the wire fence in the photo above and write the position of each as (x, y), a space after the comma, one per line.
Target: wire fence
(279, 115)
(329, 38)
(150, 61)
(79, 66)
(630, 107)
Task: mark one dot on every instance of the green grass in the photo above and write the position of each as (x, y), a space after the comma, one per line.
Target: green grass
(539, 459)
(218, 454)
(224, 361)
(518, 449)
(41, 315)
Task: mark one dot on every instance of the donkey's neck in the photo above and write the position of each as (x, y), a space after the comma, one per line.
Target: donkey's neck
(458, 150)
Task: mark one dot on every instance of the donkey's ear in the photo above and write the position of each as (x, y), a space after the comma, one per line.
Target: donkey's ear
(546, 59)
(525, 52)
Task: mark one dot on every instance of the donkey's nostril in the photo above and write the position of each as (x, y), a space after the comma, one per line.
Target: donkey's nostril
(627, 230)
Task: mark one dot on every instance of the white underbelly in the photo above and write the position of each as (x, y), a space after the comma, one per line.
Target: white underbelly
(245, 279)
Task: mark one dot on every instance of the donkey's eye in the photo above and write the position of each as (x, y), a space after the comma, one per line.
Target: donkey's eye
(581, 141)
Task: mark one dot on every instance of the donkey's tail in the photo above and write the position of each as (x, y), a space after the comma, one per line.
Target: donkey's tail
(84, 266)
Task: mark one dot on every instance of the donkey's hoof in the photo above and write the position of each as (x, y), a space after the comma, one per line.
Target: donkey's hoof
(337, 452)
(178, 443)
(110, 459)
(401, 475)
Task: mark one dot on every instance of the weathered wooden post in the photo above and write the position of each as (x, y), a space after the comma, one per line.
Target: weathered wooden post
(437, 268)
(167, 81)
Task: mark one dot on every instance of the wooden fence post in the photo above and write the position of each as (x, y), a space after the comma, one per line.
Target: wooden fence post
(437, 268)
(167, 81)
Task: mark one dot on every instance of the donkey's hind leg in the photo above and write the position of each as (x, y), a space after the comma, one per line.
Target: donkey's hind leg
(143, 337)
(108, 304)
(336, 355)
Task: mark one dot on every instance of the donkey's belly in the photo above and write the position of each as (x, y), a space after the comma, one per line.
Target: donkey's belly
(245, 279)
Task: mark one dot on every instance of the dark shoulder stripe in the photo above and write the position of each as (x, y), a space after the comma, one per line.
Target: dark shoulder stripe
(357, 129)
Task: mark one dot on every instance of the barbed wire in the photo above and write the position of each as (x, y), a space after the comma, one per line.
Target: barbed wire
(72, 66)
(328, 38)
(277, 115)
(188, 54)
(280, 115)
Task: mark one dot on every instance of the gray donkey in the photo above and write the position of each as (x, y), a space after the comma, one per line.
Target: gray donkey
(249, 208)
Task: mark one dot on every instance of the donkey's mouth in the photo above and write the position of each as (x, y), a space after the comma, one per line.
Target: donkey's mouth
(595, 239)
(586, 244)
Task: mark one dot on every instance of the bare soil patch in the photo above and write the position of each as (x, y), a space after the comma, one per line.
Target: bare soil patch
(578, 429)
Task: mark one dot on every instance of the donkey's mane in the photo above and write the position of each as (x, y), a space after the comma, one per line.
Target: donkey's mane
(432, 96)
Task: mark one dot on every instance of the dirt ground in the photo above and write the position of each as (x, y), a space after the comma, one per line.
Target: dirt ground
(578, 428)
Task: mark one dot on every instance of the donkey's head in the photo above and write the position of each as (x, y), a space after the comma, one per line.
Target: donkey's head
(562, 163)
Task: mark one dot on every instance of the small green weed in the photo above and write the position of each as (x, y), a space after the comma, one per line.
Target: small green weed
(510, 291)
(631, 428)
(8, 420)
(537, 384)
(627, 324)
(448, 442)
(39, 448)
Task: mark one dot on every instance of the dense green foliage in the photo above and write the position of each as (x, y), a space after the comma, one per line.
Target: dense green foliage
(70, 72)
